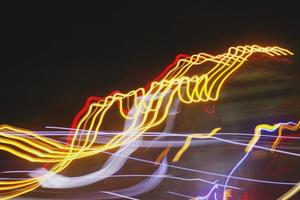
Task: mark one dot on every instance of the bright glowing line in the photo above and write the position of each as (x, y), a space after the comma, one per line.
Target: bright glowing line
(255, 139)
(49, 133)
(258, 147)
(150, 105)
(232, 171)
(119, 195)
(182, 195)
(209, 173)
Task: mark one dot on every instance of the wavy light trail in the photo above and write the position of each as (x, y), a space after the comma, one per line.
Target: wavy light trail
(142, 109)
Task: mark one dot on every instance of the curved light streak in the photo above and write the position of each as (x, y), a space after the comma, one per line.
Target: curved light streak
(151, 106)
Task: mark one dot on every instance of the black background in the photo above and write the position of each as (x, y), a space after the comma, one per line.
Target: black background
(55, 55)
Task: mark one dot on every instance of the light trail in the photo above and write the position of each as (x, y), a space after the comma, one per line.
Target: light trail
(119, 195)
(146, 134)
(200, 171)
(181, 195)
(210, 173)
(258, 147)
(142, 109)
(255, 139)
(203, 197)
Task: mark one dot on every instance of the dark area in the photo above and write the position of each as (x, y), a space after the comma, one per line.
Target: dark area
(55, 55)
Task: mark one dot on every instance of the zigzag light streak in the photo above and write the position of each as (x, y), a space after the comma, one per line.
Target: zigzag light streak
(151, 104)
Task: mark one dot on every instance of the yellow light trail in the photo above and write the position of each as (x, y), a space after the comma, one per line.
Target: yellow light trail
(292, 127)
(151, 108)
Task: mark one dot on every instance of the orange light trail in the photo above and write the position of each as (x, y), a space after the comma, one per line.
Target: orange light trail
(151, 106)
